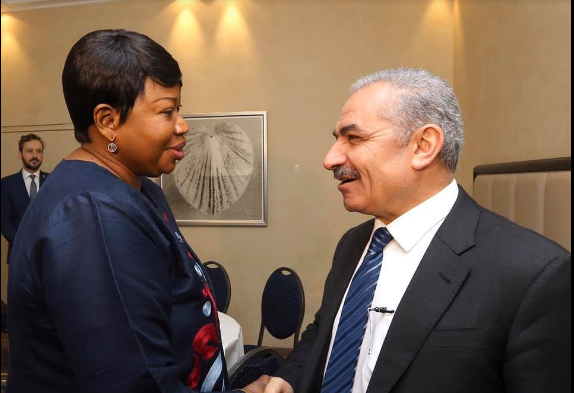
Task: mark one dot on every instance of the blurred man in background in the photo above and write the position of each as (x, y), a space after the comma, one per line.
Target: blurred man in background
(20, 188)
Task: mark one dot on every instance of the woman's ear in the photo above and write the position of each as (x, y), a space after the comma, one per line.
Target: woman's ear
(428, 142)
(106, 119)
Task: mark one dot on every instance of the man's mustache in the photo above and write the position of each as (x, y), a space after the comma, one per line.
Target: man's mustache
(343, 173)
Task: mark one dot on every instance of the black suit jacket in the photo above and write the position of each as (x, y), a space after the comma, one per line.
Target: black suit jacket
(15, 201)
(487, 311)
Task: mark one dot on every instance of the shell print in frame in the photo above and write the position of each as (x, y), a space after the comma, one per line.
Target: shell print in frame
(216, 168)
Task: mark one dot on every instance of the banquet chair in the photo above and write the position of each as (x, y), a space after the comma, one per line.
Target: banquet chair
(282, 307)
(220, 283)
(253, 365)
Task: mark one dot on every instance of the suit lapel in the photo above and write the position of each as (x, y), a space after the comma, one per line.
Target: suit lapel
(21, 191)
(438, 279)
(351, 253)
(435, 284)
(344, 267)
(43, 176)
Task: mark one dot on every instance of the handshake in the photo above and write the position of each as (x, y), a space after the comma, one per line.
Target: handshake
(267, 384)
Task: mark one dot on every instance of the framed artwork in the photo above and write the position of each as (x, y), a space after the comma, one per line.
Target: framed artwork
(222, 179)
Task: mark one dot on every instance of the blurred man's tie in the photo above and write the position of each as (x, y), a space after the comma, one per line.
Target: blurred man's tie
(33, 187)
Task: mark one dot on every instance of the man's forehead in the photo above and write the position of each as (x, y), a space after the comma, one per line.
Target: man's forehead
(349, 114)
(369, 98)
(367, 103)
(34, 144)
(359, 114)
(348, 118)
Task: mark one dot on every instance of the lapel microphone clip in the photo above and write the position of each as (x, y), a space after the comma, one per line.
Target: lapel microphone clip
(382, 310)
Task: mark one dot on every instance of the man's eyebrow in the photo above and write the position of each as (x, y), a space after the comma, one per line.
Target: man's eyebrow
(345, 130)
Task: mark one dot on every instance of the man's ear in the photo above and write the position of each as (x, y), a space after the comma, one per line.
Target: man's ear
(106, 120)
(427, 143)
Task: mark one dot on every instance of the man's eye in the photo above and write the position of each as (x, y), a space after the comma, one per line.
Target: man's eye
(353, 137)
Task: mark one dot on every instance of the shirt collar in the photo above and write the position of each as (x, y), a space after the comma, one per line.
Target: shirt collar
(26, 174)
(411, 227)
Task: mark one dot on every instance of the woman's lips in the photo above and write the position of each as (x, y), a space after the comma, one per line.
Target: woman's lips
(177, 151)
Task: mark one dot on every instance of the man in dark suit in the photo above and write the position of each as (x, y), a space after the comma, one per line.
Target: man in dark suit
(20, 188)
(436, 294)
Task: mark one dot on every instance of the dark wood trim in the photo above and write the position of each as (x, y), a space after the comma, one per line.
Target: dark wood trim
(547, 165)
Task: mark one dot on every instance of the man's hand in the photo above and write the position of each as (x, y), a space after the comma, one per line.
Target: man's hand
(257, 386)
(277, 385)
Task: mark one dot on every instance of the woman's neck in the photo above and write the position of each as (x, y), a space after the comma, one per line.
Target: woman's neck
(89, 154)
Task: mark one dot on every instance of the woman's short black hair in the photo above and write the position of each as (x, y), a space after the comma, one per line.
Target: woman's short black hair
(111, 67)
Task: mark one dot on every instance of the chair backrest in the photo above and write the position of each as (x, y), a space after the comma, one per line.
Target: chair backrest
(220, 283)
(536, 194)
(282, 305)
(254, 364)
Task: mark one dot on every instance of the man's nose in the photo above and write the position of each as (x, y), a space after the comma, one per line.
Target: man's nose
(335, 157)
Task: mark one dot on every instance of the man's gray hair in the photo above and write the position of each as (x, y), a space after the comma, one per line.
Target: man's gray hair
(421, 98)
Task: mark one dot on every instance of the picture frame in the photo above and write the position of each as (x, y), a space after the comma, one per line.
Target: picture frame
(222, 179)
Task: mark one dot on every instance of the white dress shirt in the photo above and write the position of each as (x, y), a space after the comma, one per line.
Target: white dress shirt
(412, 233)
(28, 180)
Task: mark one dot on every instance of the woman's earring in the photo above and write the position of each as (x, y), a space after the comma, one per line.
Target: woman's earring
(112, 147)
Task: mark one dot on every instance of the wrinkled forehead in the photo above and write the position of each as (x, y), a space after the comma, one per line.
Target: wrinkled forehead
(367, 105)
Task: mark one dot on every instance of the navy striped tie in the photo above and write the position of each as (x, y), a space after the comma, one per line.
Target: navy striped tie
(340, 375)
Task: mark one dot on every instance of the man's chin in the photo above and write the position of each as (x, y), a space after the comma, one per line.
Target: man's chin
(352, 207)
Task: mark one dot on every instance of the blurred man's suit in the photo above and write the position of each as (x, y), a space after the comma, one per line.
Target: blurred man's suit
(15, 201)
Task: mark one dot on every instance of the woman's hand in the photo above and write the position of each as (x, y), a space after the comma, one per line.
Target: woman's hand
(278, 385)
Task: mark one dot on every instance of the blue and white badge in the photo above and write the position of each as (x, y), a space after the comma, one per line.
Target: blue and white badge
(198, 270)
(207, 309)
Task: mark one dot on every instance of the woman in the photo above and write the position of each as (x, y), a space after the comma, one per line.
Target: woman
(105, 294)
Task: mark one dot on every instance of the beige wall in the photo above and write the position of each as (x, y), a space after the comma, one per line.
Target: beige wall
(294, 59)
(512, 75)
(509, 61)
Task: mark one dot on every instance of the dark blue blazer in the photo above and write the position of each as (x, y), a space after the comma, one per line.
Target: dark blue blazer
(15, 201)
(105, 294)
